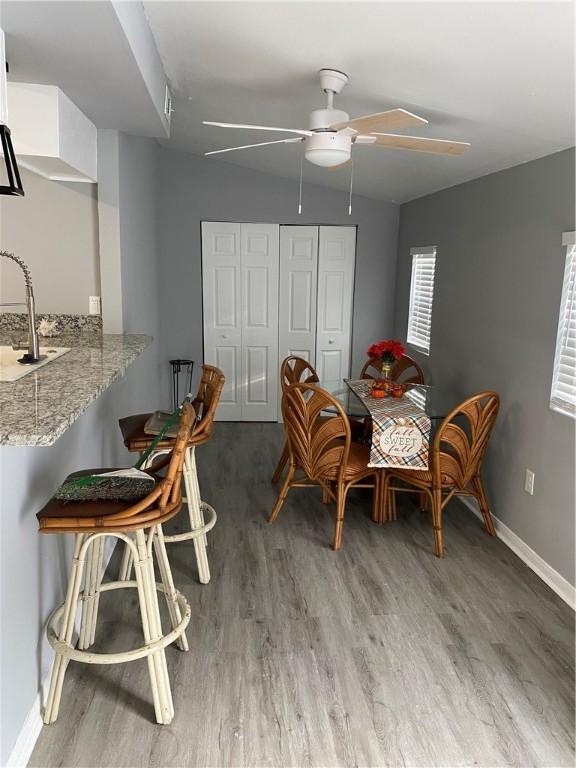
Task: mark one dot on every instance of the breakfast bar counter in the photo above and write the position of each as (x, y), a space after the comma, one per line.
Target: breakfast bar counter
(38, 408)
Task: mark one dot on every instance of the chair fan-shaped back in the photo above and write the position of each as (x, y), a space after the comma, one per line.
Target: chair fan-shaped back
(320, 447)
(207, 398)
(296, 370)
(405, 370)
(462, 438)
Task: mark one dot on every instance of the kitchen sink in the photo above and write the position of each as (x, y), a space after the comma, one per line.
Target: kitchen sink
(12, 370)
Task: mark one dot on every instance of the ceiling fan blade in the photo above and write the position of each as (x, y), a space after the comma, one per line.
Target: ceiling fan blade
(258, 127)
(381, 121)
(249, 146)
(420, 144)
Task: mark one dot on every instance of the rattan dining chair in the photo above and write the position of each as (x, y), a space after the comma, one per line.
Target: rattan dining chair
(322, 453)
(405, 370)
(90, 522)
(456, 458)
(293, 370)
(202, 516)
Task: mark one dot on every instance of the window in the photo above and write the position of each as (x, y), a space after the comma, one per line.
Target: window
(563, 397)
(421, 296)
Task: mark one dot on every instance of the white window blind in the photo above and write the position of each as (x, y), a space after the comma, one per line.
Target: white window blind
(421, 297)
(563, 397)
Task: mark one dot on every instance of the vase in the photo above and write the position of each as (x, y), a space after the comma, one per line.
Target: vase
(386, 369)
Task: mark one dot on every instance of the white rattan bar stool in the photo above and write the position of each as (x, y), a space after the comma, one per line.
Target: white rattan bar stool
(139, 525)
(202, 516)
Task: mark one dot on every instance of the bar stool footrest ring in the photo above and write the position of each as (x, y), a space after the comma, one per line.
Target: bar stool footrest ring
(209, 512)
(88, 657)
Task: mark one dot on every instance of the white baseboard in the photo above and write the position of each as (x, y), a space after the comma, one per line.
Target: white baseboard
(33, 723)
(541, 568)
(29, 732)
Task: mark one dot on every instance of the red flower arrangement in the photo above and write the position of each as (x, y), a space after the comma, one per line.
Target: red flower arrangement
(388, 351)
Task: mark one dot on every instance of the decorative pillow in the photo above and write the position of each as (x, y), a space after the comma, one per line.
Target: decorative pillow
(129, 485)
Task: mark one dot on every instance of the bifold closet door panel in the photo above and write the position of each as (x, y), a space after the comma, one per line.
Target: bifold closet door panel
(222, 302)
(298, 289)
(270, 292)
(336, 257)
(259, 261)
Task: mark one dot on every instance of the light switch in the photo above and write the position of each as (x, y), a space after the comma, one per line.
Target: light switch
(94, 305)
(529, 482)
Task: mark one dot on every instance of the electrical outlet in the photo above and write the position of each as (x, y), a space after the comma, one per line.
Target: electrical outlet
(529, 482)
(94, 305)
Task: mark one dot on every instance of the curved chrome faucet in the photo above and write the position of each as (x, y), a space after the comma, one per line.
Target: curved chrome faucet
(33, 354)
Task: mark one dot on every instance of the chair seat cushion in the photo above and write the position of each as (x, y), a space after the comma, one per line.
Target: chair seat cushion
(132, 428)
(83, 509)
(137, 439)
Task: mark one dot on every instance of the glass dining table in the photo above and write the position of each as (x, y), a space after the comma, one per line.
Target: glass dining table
(427, 397)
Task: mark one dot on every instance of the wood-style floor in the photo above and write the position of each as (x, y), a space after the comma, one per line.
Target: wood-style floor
(377, 655)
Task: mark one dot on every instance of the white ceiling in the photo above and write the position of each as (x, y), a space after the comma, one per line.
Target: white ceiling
(500, 75)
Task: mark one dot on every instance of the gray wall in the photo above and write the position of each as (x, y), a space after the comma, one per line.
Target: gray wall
(499, 270)
(140, 265)
(137, 201)
(29, 476)
(194, 188)
(33, 567)
(109, 230)
(54, 228)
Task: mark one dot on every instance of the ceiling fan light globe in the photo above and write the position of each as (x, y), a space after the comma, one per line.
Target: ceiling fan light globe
(327, 158)
(327, 149)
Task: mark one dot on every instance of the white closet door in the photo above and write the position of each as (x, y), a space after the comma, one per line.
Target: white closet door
(259, 261)
(222, 299)
(336, 256)
(298, 288)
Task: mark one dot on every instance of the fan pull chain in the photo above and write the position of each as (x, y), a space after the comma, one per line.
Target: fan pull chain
(300, 191)
(351, 182)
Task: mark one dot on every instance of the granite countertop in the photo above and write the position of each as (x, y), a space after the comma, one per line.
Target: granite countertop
(38, 408)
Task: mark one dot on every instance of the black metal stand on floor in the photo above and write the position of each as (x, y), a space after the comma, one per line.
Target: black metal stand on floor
(180, 367)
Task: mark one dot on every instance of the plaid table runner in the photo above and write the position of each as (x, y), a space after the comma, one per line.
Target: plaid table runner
(400, 429)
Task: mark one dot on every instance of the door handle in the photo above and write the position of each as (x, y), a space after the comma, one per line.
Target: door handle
(330, 341)
(223, 336)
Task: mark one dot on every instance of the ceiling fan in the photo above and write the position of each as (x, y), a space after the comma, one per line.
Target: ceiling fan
(329, 140)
